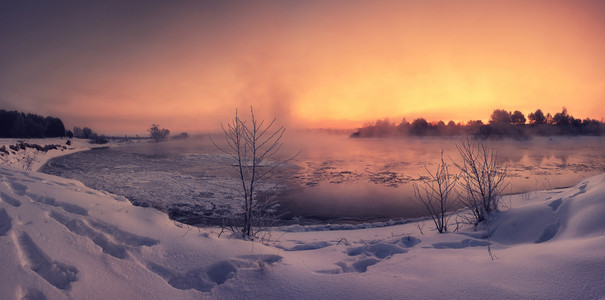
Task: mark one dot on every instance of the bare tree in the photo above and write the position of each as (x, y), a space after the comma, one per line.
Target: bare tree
(253, 146)
(158, 134)
(86, 133)
(482, 179)
(436, 194)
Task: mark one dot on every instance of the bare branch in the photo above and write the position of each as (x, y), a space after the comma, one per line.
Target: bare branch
(434, 194)
(253, 146)
(482, 179)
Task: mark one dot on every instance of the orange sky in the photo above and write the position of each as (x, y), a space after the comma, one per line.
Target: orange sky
(118, 67)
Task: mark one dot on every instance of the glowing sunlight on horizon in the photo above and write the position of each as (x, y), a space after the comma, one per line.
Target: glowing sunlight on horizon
(119, 67)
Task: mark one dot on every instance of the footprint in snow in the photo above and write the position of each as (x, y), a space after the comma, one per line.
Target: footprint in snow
(204, 279)
(5, 222)
(378, 250)
(18, 188)
(262, 258)
(80, 228)
(3, 172)
(302, 246)
(10, 200)
(68, 207)
(361, 257)
(461, 244)
(33, 294)
(102, 234)
(56, 273)
(118, 234)
(196, 279)
(555, 204)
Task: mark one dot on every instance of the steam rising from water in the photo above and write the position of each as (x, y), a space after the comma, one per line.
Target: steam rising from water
(374, 177)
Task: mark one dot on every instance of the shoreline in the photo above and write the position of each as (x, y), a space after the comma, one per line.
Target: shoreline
(31, 159)
(19, 159)
(79, 145)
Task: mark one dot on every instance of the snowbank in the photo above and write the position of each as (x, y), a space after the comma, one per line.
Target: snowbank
(32, 159)
(62, 240)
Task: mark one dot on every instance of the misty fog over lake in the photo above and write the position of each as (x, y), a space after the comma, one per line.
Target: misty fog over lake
(335, 178)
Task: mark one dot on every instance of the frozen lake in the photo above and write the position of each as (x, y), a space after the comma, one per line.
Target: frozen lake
(335, 178)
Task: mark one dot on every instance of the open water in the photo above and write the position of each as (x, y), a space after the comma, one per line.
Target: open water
(333, 179)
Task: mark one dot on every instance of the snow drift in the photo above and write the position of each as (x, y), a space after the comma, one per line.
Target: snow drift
(62, 240)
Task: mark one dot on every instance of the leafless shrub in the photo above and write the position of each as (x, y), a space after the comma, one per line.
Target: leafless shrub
(158, 134)
(436, 194)
(253, 146)
(482, 179)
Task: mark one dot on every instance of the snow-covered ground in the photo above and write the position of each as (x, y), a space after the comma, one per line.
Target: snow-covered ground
(32, 159)
(62, 240)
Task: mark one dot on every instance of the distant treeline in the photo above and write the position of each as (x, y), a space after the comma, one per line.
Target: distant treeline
(87, 133)
(14, 124)
(502, 123)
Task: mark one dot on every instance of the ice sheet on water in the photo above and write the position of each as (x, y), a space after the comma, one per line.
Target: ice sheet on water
(187, 186)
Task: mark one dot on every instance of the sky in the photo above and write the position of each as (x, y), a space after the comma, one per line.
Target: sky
(118, 67)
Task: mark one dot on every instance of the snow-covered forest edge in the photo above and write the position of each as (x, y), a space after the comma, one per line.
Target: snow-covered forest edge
(62, 240)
